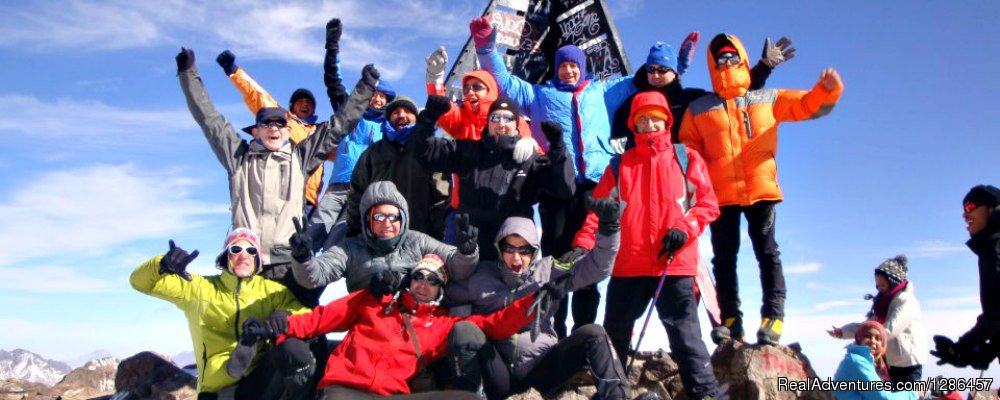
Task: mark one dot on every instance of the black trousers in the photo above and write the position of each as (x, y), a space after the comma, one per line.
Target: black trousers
(906, 374)
(561, 219)
(289, 369)
(726, 244)
(678, 312)
(477, 360)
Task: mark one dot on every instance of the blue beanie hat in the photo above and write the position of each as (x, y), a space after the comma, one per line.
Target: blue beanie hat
(663, 55)
(571, 54)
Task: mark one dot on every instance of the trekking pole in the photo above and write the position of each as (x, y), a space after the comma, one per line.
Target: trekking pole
(656, 295)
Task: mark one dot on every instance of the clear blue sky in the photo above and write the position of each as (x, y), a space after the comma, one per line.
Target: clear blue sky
(102, 162)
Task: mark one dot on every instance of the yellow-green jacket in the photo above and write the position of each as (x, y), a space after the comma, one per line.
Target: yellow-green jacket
(215, 307)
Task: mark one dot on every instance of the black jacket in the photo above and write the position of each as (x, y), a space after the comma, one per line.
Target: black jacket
(677, 96)
(986, 245)
(491, 186)
(425, 191)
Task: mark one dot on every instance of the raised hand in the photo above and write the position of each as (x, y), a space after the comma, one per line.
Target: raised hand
(523, 149)
(185, 60)
(436, 62)
(370, 75)
(333, 31)
(466, 235)
(687, 51)
(482, 32)
(436, 107)
(227, 60)
(553, 132)
(300, 242)
(830, 79)
(176, 261)
(777, 53)
(609, 214)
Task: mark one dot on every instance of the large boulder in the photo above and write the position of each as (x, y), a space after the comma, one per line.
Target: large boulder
(148, 375)
(752, 372)
(94, 379)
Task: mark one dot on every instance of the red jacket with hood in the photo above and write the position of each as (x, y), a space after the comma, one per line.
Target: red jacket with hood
(651, 182)
(378, 354)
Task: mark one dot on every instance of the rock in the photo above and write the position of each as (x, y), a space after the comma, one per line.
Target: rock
(148, 375)
(751, 371)
(12, 389)
(94, 379)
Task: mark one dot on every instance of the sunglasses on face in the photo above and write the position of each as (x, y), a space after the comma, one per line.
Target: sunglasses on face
(656, 69)
(431, 279)
(522, 250)
(380, 217)
(272, 124)
(474, 87)
(501, 117)
(237, 249)
(970, 207)
(727, 58)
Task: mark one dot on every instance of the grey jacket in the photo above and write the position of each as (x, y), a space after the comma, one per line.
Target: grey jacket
(357, 259)
(267, 188)
(493, 286)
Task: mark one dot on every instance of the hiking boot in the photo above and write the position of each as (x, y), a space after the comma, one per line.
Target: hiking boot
(731, 329)
(769, 331)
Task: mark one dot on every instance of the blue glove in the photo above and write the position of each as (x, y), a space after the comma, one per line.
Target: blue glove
(227, 60)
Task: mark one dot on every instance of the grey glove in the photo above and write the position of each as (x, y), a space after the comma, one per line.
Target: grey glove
(777, 53)
(436, 61)
(618, 144)
(523, 149)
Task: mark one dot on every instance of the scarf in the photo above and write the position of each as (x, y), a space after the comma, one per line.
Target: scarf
(880, 306)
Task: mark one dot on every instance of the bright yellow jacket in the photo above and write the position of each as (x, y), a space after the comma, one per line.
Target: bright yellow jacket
(215, 307)
(256, 98)
(736, 130)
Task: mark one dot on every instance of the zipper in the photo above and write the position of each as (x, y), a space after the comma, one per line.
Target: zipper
(236, 298)
(746, 116)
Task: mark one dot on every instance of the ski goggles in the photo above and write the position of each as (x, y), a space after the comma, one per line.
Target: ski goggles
(970, 207)
(473, 87)
(727, 59)
(430, 278)
(273, 124)
(522, 250)
(380, 217)
(656, 69)
(502, 117)
(237, 249)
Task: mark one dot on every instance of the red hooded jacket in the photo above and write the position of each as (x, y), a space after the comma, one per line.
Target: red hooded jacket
(378, 354)
(651, 182)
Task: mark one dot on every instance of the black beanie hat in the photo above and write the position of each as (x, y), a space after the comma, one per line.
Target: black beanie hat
(505, 103)
(301, 93)
(984, 195)
(894, 269)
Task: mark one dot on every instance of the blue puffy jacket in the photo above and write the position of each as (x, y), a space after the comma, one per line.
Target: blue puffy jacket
(547, 103)
(367, 132)
(858, 365)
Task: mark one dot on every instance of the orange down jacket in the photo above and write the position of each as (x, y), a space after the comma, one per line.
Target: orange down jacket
(736, 129)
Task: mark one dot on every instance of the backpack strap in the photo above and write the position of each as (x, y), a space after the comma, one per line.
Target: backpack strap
(680, 154)
(615, 164)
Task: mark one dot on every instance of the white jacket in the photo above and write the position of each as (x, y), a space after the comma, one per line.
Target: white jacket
(907, 335)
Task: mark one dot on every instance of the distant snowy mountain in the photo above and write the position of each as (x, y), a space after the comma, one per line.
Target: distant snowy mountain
(183, 359)
(79, 361)
(27, 366)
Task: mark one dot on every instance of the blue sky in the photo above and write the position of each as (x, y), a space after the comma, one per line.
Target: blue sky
(102, 163)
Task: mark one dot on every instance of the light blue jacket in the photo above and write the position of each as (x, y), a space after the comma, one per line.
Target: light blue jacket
(858, 365)
(349, 151)
(546, 103)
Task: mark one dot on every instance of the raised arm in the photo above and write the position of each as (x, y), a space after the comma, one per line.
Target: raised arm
(164, 277)
(332, 78)
(337, 316)
(317, 147)
(314, 272)
(585, 236)
(597, 264)
(437, 154)
(507, 321)
(225, 142)
(797, 105)
(554, 173)
(485, 38)
(772, 55)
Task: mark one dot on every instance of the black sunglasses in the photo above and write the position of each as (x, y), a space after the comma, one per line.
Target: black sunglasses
(236, 249)
(431, 279)
(523, 250)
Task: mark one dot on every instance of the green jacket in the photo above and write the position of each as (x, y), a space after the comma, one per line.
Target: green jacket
(215, 307)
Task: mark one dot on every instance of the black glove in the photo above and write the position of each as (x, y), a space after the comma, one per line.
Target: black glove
(466, 235)
(333, 30)
(553, 133)
(176, 261)
(185, 60)
(557, 288)
(945, 350)
(609, 214)
(436, 107)
(369, 75)
(255, 330)
(277, 323)
(301, 243)
(673, 241)
(227, 60)
(571, 256)
(975, 351)
(383, 283)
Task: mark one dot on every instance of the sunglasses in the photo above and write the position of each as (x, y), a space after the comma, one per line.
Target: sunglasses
(431, 279)
(523, 250)
(970, 207)
(474, 87)
(272, 124)
(380, 217)
(236, 249)
(502, 117)
(727, 58)
(656, 69)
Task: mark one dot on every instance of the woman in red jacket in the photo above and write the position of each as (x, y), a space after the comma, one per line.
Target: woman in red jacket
(390, 338)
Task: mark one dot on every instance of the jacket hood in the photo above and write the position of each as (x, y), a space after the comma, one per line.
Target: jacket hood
(491, 87)
(382, 192)
(646, 100)
(731, 82)
(526, 229)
